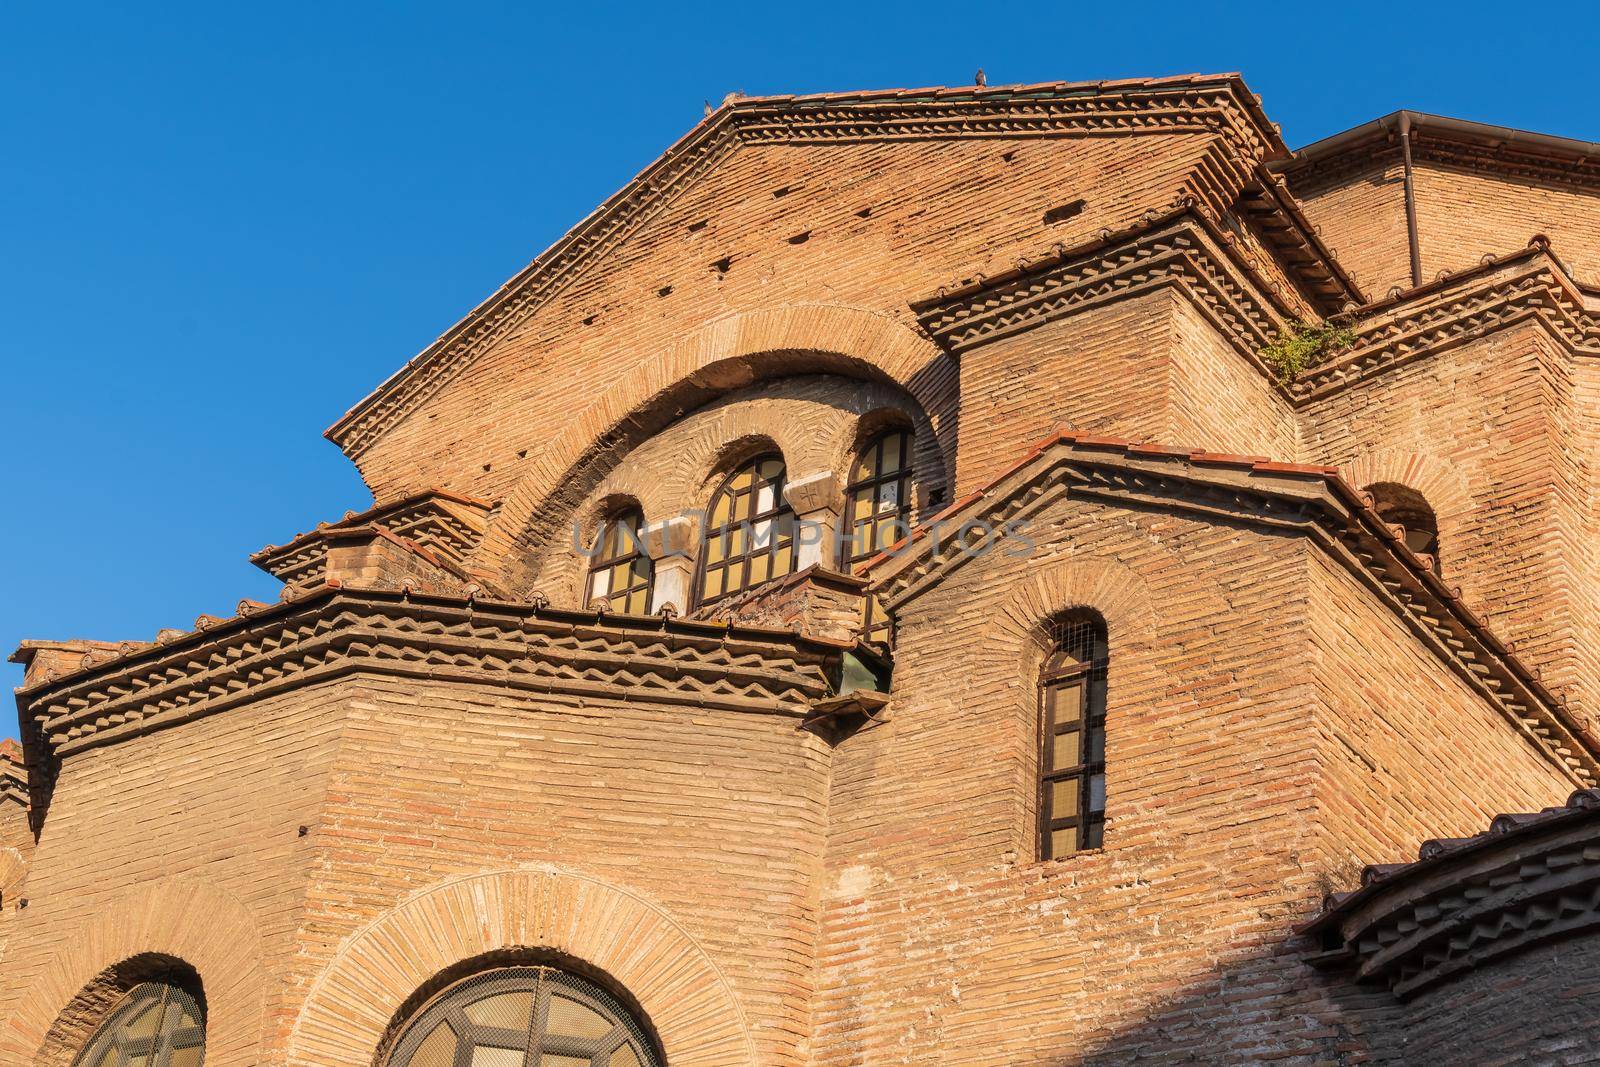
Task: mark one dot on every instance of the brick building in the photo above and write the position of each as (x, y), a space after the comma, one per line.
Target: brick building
(1191, 722)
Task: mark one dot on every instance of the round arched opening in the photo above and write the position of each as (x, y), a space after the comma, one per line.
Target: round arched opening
(1402, 506)
(147, 1010)
(524, 1016)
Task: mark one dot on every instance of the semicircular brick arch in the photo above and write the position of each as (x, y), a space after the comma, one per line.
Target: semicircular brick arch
(684, 995)
(1442, 485)
(717, 358)
(1105, 586)
(186, 919)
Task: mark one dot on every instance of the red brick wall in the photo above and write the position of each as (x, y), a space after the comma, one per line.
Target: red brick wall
(1407, 750)
(1493, 433)
(1148, 368)
(715, 817)
(1534, 1008)
(1464, 214)
(1362, 218)
(939, 211)
(216, 805)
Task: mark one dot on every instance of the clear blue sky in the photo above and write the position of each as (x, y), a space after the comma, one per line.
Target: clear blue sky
(224, 224)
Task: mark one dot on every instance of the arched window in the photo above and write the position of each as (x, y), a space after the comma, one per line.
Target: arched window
(620, 570)
(1072, 738)
(878, 510)
(1399, 505)
(524, 1017)
(155, 1023)
(749, 535)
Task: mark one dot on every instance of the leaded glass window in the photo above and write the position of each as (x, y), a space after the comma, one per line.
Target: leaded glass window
(1072, 748)
(878, 510)
(749, 531)
(620, 569)
(524, 1017)
(157, 1024)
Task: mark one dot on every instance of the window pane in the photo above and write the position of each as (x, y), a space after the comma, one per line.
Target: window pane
(144, 1022)
(528, 1015)
(1064, 798)
(1097, 793)
(439, 1050)
(1063, 842)
(509, 1011)
(752, 550)
(572, 1019)
(187, 1057)
(1064, 751)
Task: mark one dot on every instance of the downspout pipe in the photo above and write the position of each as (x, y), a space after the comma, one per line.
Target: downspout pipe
(1411, 200)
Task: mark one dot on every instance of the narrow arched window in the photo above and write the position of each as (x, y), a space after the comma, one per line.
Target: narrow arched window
(155, 1023)
(878, 510)
(1072, 747)
(1402, 506)
(749, 533)
(524, 1017)
(620, 570)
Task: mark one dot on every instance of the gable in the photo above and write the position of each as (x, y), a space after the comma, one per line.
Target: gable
(971, 172)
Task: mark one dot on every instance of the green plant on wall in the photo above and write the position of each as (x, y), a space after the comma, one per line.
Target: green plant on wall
(1301, 344)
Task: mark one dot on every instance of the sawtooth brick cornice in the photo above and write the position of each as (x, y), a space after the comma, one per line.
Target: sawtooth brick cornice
(1501, 159)
(1185, 249)
(1454, 309)
(1220, 105)
(1530, 879)
(342, 630)
(447, 524)
(1313, 501)
(1182, 247)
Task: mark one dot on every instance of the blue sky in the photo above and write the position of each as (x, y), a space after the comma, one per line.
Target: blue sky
(224, 224)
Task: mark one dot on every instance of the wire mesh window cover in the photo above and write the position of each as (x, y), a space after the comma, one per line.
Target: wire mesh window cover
(157, 1024)
(1072, 751)
(620, 570)
(524, 1017)
(878, 510)
(750, 531)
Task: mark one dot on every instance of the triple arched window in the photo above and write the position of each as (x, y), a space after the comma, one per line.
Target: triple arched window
(156, 1023)
(1072, 738)
(620, 570)
(524, 1017)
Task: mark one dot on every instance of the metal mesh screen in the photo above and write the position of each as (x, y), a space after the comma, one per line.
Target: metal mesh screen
(524, 1017)
(1072, 739)
(157, 1024)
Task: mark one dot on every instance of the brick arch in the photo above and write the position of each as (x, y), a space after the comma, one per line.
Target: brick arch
(1112, 589)
(687, 999)
(717, 358)
(1442, 485)
(186, 919)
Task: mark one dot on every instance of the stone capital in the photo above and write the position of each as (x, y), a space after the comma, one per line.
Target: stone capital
(674, 537)
(813, 493)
